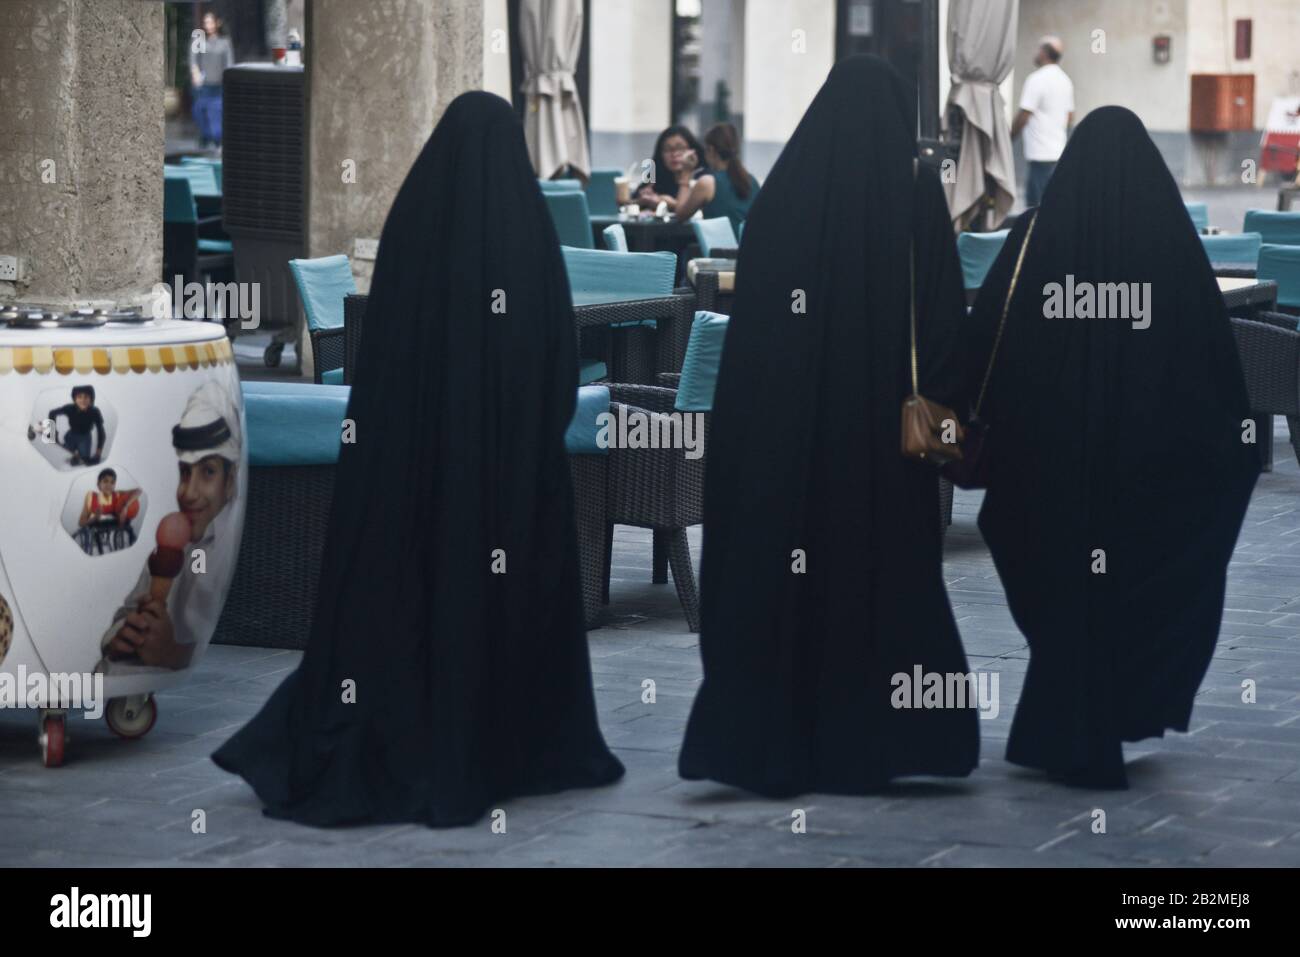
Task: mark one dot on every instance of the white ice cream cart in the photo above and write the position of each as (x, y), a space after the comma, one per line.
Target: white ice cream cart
(124, 481)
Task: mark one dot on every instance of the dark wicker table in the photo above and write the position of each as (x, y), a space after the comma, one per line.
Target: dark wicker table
(1230, 270)
(708, 293)
(1245, 299)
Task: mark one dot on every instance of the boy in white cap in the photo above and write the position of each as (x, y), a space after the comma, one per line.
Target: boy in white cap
(150, 632)
(1046, 115)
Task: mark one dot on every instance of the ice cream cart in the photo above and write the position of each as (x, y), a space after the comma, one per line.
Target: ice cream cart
(125, 470)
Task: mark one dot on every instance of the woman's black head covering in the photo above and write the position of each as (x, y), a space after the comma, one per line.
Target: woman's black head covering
(805, 468)
(449, 591)
(1115, 440)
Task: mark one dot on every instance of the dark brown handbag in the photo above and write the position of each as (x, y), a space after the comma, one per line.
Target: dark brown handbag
(930, 432)
(971, 470)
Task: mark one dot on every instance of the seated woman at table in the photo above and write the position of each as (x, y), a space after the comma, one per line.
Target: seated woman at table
(678, 160)
(728, 189)
(822, 567)
(1120, 455)
(447, 669)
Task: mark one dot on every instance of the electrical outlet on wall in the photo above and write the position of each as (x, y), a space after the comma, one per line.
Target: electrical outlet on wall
(8, 268)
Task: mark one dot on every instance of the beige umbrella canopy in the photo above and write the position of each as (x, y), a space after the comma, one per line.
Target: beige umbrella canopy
(550, 37)
(981, 46)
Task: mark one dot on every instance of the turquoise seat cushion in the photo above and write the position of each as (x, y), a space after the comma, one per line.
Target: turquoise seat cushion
(322, 285)
(580, 437)
(332, 377)
(711, 233)
(569, 213)
(1278, 228)
(294, 423)
(597, 275)
(977, 252)
(589, 370)
(1282, 265)
(700, 367)
(1200, 214)
(1239, 248)
(216, 246)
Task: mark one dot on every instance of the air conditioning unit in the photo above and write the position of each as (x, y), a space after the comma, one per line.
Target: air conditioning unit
(264, 170)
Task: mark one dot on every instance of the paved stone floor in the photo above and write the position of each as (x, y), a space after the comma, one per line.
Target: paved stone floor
(1227, 793)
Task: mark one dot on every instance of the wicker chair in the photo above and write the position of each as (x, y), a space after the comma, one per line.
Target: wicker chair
(658, 489)
(1269, 347)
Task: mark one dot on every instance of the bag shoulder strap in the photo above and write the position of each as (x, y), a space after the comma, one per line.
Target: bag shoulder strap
(1006, 308)
(911, 282)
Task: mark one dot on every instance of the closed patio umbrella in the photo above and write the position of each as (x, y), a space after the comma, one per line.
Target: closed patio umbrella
(981, 45)
(550, 36)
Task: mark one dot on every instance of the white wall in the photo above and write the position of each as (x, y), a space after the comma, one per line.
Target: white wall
(1275, 58)
(1126, 74)
(780, 81)
(631, 79)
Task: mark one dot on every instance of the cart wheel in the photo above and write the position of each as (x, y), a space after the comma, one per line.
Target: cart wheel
(132, 716)
(53, 737)
(272, 354)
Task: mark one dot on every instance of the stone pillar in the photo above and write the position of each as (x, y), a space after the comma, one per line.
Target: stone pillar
(81, 150)
(379, 75)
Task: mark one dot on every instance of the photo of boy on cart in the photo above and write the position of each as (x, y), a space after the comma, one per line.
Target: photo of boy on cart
(177, 600)
(84, 436)
(107, 512)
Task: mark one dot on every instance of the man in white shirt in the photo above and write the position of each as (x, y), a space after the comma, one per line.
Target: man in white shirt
(1046, 115)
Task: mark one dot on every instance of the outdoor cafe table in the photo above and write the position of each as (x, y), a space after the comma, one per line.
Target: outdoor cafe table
(713, 280)
(672, 315)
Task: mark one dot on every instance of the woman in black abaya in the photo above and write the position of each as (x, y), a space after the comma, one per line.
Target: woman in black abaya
(821, 573)
(449, 594)
(1119, 477)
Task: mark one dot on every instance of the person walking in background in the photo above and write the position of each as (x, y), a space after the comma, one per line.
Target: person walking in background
(1046, 115)
(209, 59)
(729, 189)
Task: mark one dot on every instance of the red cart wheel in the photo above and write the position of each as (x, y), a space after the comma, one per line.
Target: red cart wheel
(132, 716)
(53, 737)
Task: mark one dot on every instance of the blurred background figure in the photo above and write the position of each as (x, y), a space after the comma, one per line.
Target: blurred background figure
(208, 61)
(1046, 115)
(678, 159)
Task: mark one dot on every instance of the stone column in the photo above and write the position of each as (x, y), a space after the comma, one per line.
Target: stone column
(81, 150)
(379, 75)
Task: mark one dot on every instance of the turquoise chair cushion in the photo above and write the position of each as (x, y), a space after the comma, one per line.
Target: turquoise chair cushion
(591, 370)
(1275, 228)
(216, 246)
(1282, 265)
(203, 180)
(596, 275)
(600, 192)
(615, 238)
(714, 232)
(1238, 248)
(580, 437)
(332, 377)
(977, 252)
(178, 201)
(294, 423)
(700, 367)
(213, 164)
(572, 221)
(322, 283)
(560, 185)
(1200, 214)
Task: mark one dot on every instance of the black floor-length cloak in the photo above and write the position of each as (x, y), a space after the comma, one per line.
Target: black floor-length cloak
(821, 573)
(449, 595)
(1119, 475)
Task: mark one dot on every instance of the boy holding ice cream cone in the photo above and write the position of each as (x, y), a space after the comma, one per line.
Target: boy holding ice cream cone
(160, 622)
